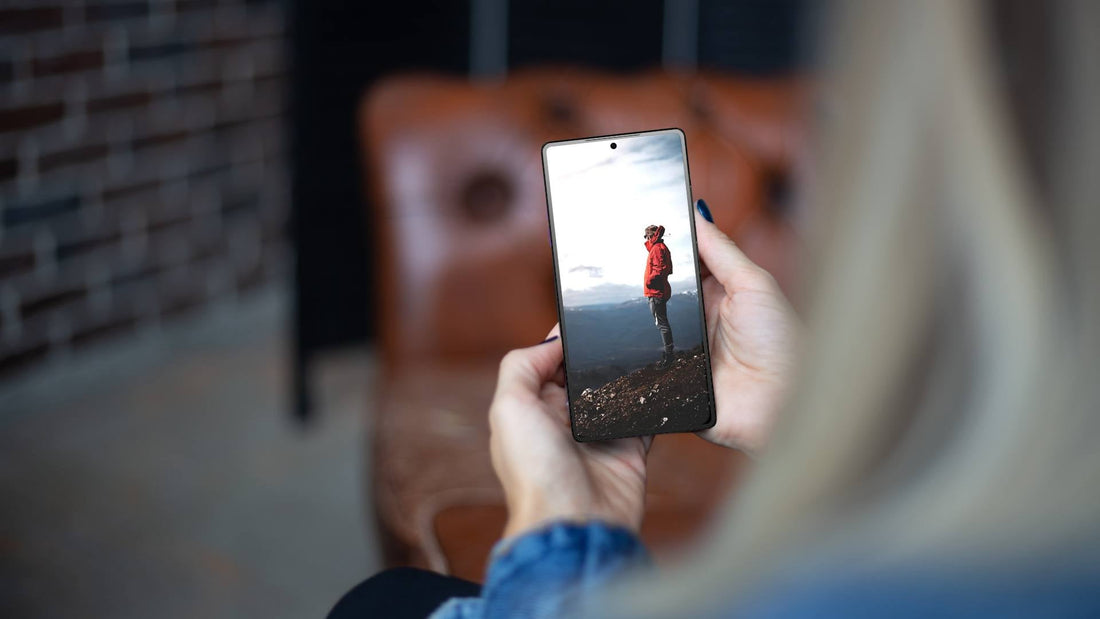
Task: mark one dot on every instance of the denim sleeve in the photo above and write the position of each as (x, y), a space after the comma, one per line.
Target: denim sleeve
(544, 572)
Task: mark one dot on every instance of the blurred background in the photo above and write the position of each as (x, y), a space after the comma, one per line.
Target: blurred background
(258, 260)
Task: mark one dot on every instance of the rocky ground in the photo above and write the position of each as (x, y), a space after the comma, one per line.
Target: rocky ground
(647, 401)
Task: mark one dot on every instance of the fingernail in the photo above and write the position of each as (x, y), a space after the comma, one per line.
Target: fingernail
(701, 206)
(549, 339)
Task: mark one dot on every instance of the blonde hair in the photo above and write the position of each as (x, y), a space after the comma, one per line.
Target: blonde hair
(946, 408)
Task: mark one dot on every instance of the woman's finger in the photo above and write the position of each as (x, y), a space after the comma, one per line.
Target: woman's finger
(559, 377)
(556, 403)
(725, 260)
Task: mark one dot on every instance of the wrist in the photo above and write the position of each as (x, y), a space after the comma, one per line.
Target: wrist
(535, 511)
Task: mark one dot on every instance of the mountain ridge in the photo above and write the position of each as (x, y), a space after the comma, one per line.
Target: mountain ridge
(605, 341)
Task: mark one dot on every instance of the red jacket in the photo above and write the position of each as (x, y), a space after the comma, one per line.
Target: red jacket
(658, 267)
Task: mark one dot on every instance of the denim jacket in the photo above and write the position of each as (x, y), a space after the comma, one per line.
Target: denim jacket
(544, 572)
(550, 572)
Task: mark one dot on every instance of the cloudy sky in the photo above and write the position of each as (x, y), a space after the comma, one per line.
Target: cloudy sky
(602, 200)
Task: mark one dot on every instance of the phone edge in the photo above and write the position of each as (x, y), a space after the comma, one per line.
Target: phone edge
(713, 416)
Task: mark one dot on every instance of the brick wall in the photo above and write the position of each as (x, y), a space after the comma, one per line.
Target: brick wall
(141, 166)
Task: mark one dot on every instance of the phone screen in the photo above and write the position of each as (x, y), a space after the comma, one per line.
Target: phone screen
(637, 360)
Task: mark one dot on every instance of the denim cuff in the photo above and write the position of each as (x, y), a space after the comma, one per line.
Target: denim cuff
(541, 572)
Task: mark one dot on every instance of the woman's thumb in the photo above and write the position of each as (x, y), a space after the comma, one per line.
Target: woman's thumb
(529, 368)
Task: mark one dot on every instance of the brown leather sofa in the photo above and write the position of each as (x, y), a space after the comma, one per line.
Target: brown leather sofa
(463, 262)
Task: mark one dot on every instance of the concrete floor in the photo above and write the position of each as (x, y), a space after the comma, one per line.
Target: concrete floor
(163, 478)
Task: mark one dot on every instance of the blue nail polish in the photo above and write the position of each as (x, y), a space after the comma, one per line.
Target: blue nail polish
(701, 206)
(549, 339)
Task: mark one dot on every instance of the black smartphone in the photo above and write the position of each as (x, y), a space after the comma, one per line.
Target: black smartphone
(637, 361)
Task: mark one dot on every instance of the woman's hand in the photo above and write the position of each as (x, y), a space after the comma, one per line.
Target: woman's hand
(546, 474)
(751, 329)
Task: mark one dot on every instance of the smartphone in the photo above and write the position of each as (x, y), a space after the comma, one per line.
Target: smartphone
(630, 299)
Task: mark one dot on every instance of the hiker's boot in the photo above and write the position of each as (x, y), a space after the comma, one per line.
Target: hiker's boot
(666, 360)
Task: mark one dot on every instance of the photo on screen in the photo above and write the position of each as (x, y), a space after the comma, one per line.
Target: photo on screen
(630, 303)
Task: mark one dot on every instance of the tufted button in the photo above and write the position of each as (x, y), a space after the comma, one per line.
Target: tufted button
(487, 197)
(699, 105)
(777, 189)
(559, 108)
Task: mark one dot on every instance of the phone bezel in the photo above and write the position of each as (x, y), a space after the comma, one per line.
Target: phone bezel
(712, 418)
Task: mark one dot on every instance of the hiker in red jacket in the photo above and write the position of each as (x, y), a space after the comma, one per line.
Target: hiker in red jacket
(658, 267)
